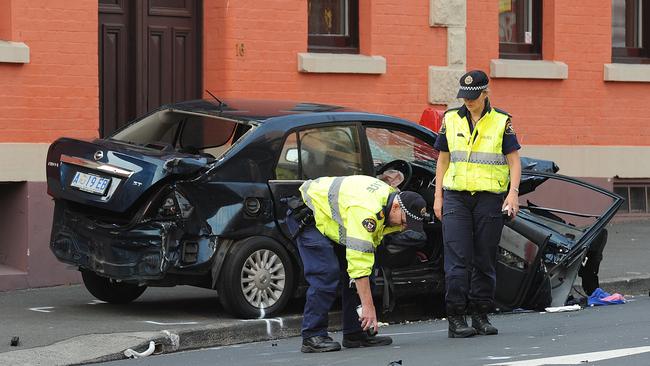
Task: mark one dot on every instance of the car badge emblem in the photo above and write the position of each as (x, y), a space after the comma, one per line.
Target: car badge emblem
(468, 79)
(98, 155)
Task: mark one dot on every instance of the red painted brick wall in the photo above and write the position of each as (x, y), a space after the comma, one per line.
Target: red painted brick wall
(57, 92)
(275, 31)
(582, 110)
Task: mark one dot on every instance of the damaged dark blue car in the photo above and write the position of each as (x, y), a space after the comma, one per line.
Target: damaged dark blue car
(194, 194)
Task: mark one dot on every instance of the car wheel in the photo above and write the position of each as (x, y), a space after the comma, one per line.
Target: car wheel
(110, 291)
(257, 279)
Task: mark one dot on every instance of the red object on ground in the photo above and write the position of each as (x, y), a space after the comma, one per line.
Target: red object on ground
(432, 118)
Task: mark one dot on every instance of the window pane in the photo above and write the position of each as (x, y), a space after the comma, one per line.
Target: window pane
(388, 145)
(637, 199)
(203, 132)
(328, 17)
(515, 21)
(618, 23)
(287, 167)
(622, 191)
(627, 23)
(331, 151)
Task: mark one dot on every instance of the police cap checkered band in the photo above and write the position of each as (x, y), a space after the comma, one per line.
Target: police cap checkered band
(406, 211)
(414, 207)
(472, 84)
(462, 87)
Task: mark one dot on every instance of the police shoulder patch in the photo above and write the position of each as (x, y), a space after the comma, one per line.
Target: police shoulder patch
(369, 224)
(509, 129)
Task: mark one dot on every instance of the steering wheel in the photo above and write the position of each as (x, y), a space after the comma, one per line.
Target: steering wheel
(403, 166)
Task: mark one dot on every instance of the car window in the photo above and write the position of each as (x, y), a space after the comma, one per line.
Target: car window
(203, 132)
(288, 165)
(184, 132)
(387, 145)
(567, 209)
(319, 152)
(156, 127)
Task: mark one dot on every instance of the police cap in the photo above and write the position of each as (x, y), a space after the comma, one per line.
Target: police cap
(472, 84)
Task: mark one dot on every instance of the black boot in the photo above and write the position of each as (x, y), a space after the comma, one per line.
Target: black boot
(362, 339)
(319, 344)
(458, 327)
(480, 320)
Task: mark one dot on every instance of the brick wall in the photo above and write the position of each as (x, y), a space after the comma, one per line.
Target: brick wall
(582, 110)
(274, 32)
(57, 92)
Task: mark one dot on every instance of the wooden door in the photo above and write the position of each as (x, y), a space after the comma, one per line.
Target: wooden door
(149, 55)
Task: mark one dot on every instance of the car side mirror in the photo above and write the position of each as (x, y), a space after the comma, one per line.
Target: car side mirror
(292, 155)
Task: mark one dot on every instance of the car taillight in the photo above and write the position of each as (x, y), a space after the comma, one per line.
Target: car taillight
(175, 205)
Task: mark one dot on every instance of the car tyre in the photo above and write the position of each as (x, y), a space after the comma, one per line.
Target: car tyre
(257, 279)
(110, 291)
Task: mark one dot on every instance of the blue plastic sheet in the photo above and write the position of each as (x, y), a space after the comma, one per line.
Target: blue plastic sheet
(601, 297)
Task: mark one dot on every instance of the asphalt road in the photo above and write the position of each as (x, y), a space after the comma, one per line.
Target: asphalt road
(609, 335)
(43, 316)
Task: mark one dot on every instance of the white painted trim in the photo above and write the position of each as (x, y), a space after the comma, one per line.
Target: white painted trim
(22, 162)
(443, 80)
(627, 72)
(341, 63)
(14, 52)
(448, 13)
(528, 69)
(594, 161)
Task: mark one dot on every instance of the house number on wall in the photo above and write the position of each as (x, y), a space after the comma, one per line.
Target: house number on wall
(239, 49)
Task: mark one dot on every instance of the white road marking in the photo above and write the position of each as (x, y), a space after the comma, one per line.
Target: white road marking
(577, 359)
(43, 309)
(160, 323)
(95, 302)
(268, 323)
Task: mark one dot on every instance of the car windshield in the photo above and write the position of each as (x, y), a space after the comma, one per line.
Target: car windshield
(388, 145)
(183, 131)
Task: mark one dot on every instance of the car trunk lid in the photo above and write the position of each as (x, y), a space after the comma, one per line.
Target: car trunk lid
(111, 175)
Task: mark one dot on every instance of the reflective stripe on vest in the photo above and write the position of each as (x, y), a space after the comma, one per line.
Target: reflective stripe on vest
(313, 190)
(476, 160)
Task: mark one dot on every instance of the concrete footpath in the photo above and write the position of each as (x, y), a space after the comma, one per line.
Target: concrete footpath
(88, 336)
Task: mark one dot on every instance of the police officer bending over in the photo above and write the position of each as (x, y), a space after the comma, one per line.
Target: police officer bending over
(350, 217)
(481, 169)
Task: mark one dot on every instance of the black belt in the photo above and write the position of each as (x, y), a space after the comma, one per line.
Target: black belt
(301, 213)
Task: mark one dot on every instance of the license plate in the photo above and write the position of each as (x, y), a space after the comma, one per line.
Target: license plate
(90, 183)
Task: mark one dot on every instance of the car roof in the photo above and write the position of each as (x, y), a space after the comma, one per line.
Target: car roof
(253, 109)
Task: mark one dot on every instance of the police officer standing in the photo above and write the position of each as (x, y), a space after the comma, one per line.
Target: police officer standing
(350, 217)
(478, 172)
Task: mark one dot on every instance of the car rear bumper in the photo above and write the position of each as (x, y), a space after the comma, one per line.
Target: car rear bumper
(138, 253)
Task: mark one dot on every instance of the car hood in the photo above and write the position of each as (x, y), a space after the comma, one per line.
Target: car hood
(126, 171)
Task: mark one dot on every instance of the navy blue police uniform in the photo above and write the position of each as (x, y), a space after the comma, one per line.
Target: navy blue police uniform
(472, 225)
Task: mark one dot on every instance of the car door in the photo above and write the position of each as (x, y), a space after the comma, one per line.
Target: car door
(312, 152)
(541, 251)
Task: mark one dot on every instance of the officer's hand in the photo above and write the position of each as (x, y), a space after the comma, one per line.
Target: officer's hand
(437, 207)
(369, 318)
(511, 204)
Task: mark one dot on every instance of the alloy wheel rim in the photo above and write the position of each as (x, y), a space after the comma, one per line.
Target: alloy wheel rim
(262, 278)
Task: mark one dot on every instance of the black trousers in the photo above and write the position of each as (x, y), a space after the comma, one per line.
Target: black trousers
(471, 230)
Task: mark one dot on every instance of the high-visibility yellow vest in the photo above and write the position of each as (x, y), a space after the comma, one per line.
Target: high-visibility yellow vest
(349, 211)
(476, 162)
